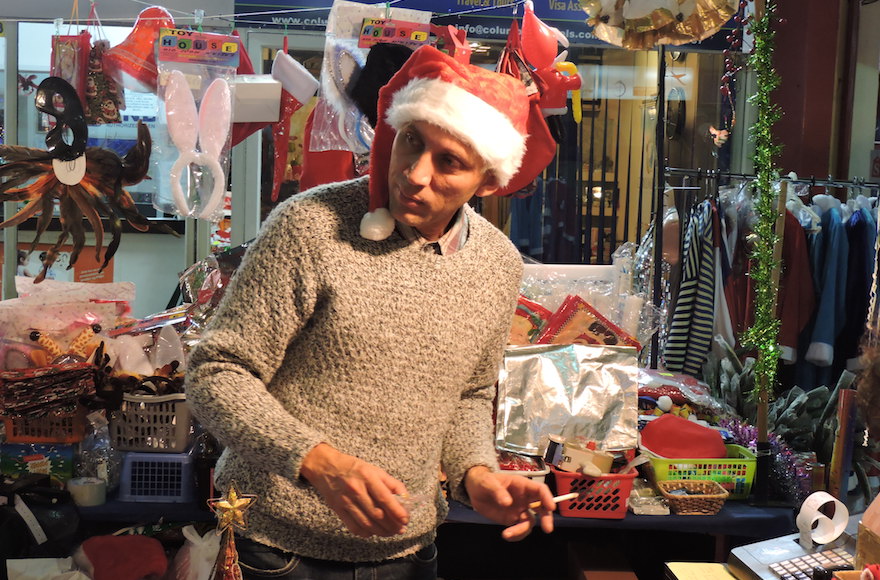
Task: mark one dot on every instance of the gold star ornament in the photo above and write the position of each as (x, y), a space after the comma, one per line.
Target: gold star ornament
(231, 508)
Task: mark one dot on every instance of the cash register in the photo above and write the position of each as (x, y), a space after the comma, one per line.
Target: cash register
(785, 558)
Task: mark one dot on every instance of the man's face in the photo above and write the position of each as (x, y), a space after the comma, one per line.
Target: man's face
(431, 175)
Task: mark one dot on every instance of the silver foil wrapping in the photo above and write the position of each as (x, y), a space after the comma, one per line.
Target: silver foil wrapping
(568, 390)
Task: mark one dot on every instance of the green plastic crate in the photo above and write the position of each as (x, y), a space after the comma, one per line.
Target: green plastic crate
(735, 473)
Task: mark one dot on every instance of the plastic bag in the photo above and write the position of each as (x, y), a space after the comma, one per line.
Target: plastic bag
(573, 391)
(97, 457)
(196, 557)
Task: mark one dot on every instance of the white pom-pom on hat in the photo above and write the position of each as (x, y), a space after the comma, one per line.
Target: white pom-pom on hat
(377, 225)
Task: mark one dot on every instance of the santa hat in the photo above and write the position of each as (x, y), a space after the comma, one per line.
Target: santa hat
(487, 110)
(674, 437)
(126, 557)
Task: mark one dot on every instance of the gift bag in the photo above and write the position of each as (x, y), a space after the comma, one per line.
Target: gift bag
(104, 98)
(70, 60)
(572, 391)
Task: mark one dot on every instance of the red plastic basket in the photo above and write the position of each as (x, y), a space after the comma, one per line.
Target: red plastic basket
(56, 427)
(602, 497)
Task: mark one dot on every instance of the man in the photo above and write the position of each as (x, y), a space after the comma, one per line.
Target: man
(353, 354)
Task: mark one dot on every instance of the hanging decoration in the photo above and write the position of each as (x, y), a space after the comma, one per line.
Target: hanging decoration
(554, 76)
(764, 331)
(298, 86)
(643, 24)
(230, 511)
(87, 181)
(763, 335)
(196, 74)
(132, 63)
(541, 145)
(721, 134)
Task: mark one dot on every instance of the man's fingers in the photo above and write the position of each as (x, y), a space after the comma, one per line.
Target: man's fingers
(547, 522)
(355, 521)
(519, 531)
(385, 501)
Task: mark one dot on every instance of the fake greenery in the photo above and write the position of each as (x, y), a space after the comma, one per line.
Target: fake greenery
(763, 334)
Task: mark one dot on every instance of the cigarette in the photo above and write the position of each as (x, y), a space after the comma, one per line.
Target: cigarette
(557, 499)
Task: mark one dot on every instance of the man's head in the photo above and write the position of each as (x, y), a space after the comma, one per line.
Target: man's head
(434, 111)
(432, 174)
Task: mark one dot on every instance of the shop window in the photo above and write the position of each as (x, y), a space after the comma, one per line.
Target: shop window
(599, 191)
(152, 262)
(35, 41)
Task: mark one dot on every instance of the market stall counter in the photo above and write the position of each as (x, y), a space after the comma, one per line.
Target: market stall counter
(736, 519)
(636, 546)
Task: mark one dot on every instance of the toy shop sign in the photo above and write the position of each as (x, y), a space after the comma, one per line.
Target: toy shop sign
(481, 19)
(486, 19)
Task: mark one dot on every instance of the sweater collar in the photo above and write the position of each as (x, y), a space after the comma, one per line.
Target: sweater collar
(452, 241)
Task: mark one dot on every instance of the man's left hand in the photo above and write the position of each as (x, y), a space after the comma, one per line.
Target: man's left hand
(505, 498)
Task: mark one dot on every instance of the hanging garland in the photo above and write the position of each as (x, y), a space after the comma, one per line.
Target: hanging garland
(763, 335)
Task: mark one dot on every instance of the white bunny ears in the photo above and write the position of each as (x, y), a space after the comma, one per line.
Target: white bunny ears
(208, 127)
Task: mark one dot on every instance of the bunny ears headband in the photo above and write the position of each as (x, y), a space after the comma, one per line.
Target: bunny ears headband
(208, 127)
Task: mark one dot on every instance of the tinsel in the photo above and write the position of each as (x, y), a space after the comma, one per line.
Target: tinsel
(763, 335)
(789, 474)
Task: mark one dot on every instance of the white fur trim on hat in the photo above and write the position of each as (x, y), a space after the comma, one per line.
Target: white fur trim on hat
(464, 115)
(377, 225)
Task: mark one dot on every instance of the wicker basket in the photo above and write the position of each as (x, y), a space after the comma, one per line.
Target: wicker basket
(703, 498)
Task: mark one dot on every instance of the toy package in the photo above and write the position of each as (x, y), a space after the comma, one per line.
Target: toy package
(195, 89)
(528, 321)
(52, 459)
(352, 29)
(577, 322)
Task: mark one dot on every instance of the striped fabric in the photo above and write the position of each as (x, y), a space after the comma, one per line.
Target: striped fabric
(690, 333)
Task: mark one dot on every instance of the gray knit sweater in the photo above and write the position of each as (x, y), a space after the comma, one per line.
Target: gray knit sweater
(380, 349)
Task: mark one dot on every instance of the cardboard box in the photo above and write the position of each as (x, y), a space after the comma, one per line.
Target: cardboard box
(590, 561)
(574, 456)
(867, 548)
(54, 459)
(257, 99)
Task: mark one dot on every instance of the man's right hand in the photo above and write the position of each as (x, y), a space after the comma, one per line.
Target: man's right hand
(361, 494)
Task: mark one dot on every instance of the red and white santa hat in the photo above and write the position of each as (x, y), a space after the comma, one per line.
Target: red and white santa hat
(487, 110)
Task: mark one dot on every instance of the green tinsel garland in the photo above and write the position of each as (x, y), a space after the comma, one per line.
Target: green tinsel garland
(763, 335)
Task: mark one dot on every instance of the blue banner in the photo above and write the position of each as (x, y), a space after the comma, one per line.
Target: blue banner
(482, 19)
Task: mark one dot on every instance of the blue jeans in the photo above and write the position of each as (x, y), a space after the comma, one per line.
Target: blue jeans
(258, 561)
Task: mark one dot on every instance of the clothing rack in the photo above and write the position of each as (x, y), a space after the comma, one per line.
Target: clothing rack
(692, 176)
(811, 181)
